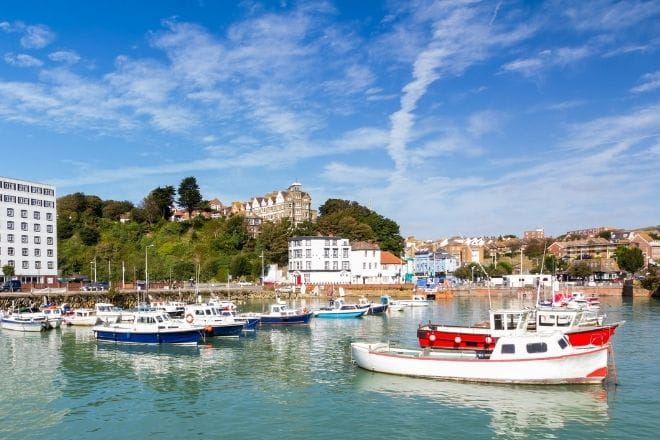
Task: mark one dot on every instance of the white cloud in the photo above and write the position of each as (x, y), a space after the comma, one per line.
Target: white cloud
(22, 60)
(350, 174)
(608, 15)
(548, 58)
(36, 36)
(649, 82)
(64, 56)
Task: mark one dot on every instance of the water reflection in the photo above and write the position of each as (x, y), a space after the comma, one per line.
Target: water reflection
(514, 410)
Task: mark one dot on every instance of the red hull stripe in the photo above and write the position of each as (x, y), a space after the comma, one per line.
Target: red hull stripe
(601, 372)
(491, 360)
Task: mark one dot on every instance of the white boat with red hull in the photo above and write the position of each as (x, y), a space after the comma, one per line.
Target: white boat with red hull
(580, 326)
(521, 359)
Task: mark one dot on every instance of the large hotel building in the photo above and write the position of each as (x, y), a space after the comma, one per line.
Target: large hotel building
(28, 230)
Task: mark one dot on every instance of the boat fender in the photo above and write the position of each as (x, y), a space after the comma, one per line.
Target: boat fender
(489, 340)
(189, 318)
(432, 337)
(209, 329)
(457, 339)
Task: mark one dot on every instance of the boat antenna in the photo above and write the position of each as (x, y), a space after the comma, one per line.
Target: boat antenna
(538, 288)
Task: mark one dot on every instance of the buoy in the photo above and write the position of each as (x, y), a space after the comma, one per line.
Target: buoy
(432, 337)
(209, 329)
(489, 340)
(457, 339)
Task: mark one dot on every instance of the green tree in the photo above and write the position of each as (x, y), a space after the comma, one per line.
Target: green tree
(8, 271)
(607, 235)
(183, 270)
(158, 203)
(112, 209)
(88, 235)
(189, 196)
(534, 248)
(274, 241)
(580, 270)
(240, 266)
(505, 267)
(629, 259)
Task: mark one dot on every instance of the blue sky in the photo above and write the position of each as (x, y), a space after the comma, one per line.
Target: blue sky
(452, 117)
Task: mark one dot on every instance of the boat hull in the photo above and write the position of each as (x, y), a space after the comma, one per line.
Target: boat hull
(181, 337)
(339, 314)
(224, 330)
(377, 309)
(249, 324)
(585, 366)
(477, 338)
(286, 320)
(23, 326)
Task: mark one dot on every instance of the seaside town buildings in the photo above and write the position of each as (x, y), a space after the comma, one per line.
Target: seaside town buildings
(536, 234)
(28, 230)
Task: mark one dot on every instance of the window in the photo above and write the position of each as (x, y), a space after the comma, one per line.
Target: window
(369, 265)
(345, 265)
(10, 251)
(326, 265)
(49, 253)
(24, 252)
(537, 347)
(23, 213)
(49, 240)
(37, 264)
(307, 278)
(49, 216)
(49, 229)
(51, 265)
(345, 253)
(10, 225)
(37, 253)
(24, 226)
(308, 242)
(37, 240)
(10, 238)
(497, 320)
(308, 265)
(335, 253)
(334, 242)
(308, 253)
(327, 242)
(364, 265)
(12, 263)
(10, 212)
(37, 227)
(562, 343)
(335, 265)
(365, 253)
(326, 252)
(508, 349)
(24, 239)
(373, 253)
(25, 265)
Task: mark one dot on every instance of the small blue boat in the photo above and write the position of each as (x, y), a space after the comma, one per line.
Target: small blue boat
(149, 328)
(339, 309)
(280, 314)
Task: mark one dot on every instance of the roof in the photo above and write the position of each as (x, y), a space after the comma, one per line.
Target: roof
(364, 246)
(585, 242)
(215, 201)
(389, 258)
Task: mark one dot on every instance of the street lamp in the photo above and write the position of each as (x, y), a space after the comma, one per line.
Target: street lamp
(146, 267)
(472, 270)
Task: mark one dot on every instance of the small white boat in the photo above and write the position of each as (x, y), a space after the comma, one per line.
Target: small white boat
(54, 315)
(175, 309)
(213, 323)
(25, 322)
(416, 301)
(339, 309)
(82, 317)
(281, 314)
(392, 305)
(524, 359)
(108, 312)
(222, 304)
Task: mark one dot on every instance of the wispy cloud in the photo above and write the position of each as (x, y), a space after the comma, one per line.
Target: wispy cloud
(34, 36)
(64, 56)
(548, 58)
(649, 82)
(22, 60)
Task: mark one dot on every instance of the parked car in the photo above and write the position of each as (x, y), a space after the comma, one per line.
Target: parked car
(95, 287)
(11, 286)
(244, 283)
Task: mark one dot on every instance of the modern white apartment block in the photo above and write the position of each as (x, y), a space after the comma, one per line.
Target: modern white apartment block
(319, 260)
(28, 230)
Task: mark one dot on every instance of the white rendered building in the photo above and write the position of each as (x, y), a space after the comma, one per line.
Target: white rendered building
(28, 230)
(319, 260)
(365, 261)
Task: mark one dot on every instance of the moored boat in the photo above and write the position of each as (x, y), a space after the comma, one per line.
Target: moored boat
(154, 327)
(54, 315)
(85, 317)
(108, 312)
(580, 326)
(416, 301)
(523, 359)
(25, 322)
(213, 323)
(339, 309)
(249, 323)
(280, 314)
(392, 305)
(372, 309)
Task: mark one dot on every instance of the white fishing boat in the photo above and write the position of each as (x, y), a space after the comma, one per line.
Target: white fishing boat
(222, 304)
(85, 317)
(524, 359)
(108, 312)
(24, 322)
(213, 323)
(416, 301)
(339, 309)
(175, 309)
(54, 315)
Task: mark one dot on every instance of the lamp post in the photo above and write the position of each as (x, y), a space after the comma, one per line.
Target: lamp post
(146, 267)
(472, 270)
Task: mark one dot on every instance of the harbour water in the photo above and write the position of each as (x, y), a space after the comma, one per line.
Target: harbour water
(300, 383)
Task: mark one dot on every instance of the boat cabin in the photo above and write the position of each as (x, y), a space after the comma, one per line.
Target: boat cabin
(107, 308)
(530, 347)
(509, 319)
(84, 313)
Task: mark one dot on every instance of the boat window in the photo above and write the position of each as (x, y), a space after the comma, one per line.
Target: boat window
(208, 312)
(199, 312)
(498, 322)
(563, 320)
(512, 321)
(547, 320)
(537, 347)
(160, 319)
(508, 349)
(562, 343)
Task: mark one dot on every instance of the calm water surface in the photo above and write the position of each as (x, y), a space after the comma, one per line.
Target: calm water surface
(300, 382)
